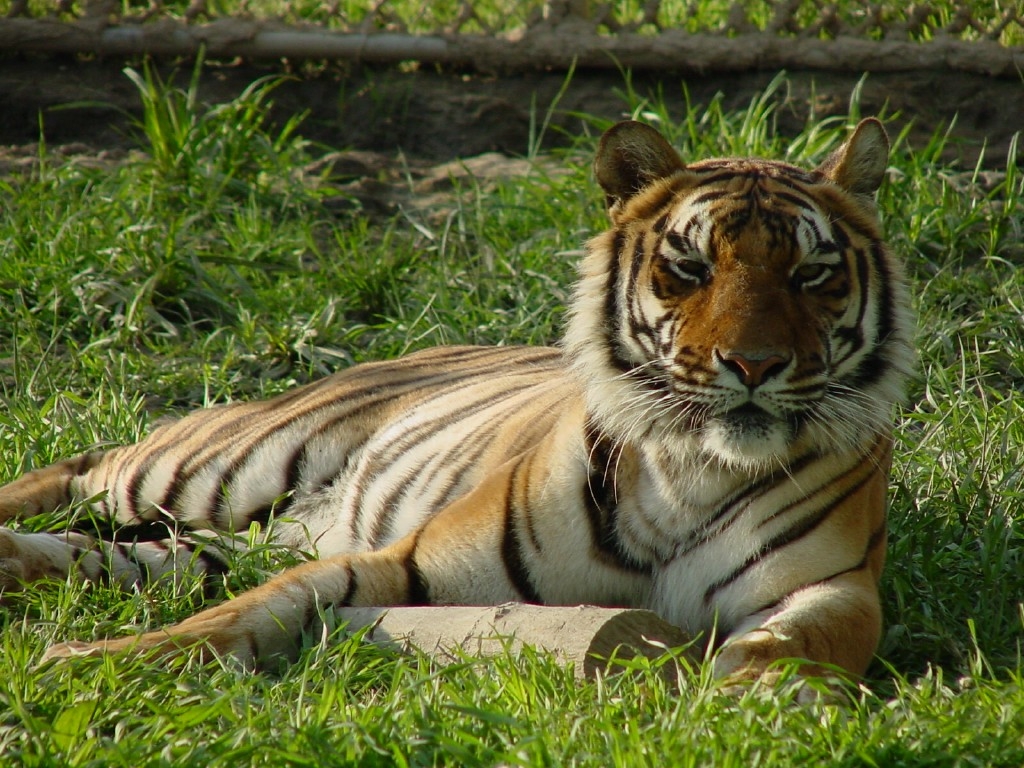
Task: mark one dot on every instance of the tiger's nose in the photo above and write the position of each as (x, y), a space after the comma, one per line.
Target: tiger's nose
(751, 370)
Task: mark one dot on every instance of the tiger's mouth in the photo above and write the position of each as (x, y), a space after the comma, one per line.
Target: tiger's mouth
(748, 416)
(751, 423)
(749, 433)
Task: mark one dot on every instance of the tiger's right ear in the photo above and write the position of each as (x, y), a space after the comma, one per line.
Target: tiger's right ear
(630, 157)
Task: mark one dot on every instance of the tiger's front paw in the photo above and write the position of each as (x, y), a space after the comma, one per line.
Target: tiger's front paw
(749, 657)
(163, 644)
(73, 649)
(215, 633)
(761, 656)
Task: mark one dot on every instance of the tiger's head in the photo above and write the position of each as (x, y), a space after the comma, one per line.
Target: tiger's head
(743, 309)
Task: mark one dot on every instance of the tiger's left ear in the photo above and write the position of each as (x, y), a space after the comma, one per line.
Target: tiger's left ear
(859, 165)
(630, 157)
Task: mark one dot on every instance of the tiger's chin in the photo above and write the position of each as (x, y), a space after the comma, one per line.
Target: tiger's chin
(749, 438)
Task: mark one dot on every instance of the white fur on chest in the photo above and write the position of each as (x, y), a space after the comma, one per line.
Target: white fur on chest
(713, 531)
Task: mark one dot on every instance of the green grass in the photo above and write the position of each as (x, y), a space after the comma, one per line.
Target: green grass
(177, 279)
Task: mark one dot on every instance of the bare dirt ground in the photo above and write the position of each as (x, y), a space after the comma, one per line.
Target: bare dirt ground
(428, 117)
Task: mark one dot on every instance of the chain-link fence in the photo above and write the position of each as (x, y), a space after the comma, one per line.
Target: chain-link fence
(713, 35)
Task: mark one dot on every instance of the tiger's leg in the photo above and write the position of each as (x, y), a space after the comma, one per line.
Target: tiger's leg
(117, 523)
(837, 623)
(30, 557)
(268, 623)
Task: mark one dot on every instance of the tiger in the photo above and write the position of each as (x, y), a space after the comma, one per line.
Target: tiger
(711, 440)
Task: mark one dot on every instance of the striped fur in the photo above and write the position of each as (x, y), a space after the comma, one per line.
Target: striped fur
(712, 441)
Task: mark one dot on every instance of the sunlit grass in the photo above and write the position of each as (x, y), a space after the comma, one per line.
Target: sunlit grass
(173, 280)
(985, 20)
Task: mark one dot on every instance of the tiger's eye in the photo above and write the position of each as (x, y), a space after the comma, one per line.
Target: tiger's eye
(691, 270)
(809, 275)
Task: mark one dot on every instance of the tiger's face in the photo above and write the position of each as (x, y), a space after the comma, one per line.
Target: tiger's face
(749, 308)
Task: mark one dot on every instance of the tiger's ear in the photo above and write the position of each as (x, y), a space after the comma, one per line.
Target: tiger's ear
(630, 157)
(859, 165)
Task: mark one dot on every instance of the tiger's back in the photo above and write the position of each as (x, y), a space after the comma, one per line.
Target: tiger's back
(348, 462)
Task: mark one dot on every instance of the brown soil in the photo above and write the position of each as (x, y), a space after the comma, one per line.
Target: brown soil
(433, 117)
